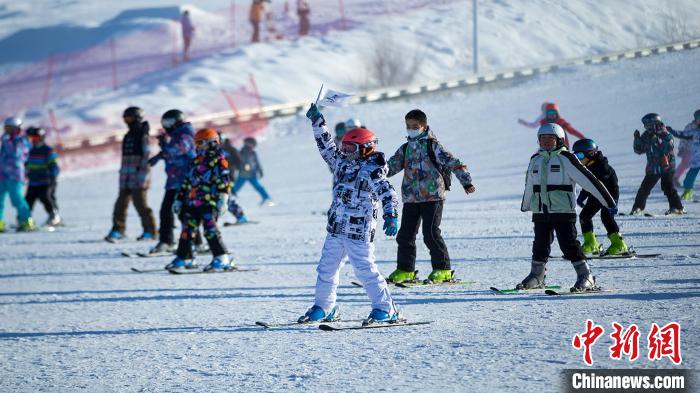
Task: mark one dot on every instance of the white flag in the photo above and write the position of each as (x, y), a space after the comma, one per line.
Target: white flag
(335, 99)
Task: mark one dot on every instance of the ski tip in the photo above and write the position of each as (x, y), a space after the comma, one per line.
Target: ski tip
(327, 328)
(133, 269)
(551, 292)
(263, 324)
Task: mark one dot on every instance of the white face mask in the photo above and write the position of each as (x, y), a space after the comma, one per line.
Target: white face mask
(413, 134)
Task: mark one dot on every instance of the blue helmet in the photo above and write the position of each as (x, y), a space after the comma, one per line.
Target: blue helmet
(584, 145)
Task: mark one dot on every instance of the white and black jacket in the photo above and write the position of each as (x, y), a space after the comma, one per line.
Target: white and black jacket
(549, 186)
(358, 188)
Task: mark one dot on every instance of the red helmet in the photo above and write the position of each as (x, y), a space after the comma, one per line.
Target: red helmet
(359, 142)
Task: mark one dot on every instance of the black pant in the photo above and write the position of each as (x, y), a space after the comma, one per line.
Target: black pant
(191, 219)
(650, 180)
(431, 215)
(566, 236)
(167, 220)
(46, 194)
(590, 209)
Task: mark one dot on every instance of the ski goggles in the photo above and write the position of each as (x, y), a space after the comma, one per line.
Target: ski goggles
(580, 155)
(349, 147)
(168, 122)
(551, 113)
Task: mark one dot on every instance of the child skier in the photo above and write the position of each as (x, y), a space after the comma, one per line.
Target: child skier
(134, 178)
(201, 199)
(42, 172)
(177, 149)
(360, 184)
(13, 155)
(692, 134)
(586, 150)
(250, 170)
(549, 194)
(551, 115)
(657, 143)
(428, 168)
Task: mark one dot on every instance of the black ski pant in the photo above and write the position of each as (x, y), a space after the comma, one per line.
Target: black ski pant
(590, 209)
(167, 220)
(650, 180)
(411, 216)
(192, 218)
(566, 236)
(46, 194)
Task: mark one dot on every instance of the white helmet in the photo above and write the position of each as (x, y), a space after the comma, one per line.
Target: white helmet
(13, 122)
(551, 129)
(352, 123)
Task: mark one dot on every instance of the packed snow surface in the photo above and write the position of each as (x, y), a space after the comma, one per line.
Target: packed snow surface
(73, 316)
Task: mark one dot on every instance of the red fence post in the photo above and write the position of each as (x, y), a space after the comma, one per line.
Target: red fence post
(231, 103)
(255, 89)
(49, 76)
(342, 15)
(113, 51)
(54, 126)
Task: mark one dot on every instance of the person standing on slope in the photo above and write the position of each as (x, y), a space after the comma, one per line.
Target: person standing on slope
(134, 178)
(690, 133)
(42, 173)
(13, 156)
(177, 150)
(360, 184)
(427, 169)
(549, 194)
(201, 199)
(586, 150)
(657, 143)
(250, 170)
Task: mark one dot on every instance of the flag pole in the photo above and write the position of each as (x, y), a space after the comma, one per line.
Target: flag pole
(319, 93)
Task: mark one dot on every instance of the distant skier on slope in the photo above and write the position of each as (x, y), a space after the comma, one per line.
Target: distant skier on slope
(427, 170)
(201, 199)
(690, 133)
(587, 151)
(657, 143)
(549, 194)
(550, 114)
(360, 185)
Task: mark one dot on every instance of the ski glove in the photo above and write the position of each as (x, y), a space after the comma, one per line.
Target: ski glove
(613, 210)
(391, 226)
(581, 200)
(469, 188)
(222, 203)
(636, 134)
(154, 160)
(177, 207)
(314, 114)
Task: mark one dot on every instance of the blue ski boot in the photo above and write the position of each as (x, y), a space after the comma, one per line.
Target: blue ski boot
(146, 236)
(181, 264)
(317, 314)
(381, 316)
(115, 236)
(219, 264)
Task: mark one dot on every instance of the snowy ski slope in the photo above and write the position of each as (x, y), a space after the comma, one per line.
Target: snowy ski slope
(73, 317)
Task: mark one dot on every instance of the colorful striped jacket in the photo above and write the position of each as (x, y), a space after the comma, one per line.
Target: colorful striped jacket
(42, 165)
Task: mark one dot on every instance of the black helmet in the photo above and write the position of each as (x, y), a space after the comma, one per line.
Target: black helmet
(696, 115)
(250, 141)
(133, 111)
(172, 119)
(584, 145)
(36, 131)
(651, 118)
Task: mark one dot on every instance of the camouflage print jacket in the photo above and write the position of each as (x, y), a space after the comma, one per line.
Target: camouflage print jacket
(422, 181)
(359, 186)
